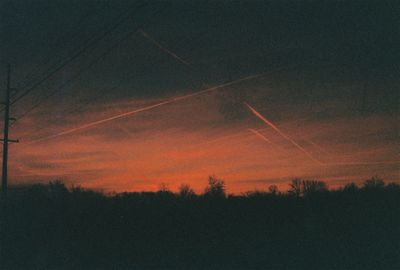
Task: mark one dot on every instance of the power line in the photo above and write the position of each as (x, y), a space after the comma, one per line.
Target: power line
(69, 81)
(229, 83)
(162, 48)
(91, 64)
(79, 52)
(30, 76)
(82, 70)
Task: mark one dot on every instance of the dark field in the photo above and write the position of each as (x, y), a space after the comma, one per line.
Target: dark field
(51, 227)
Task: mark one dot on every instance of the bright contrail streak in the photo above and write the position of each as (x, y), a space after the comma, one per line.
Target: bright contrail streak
(158, 45)
(256, 113)
(259, 135)
(147, 108)
(265, 120)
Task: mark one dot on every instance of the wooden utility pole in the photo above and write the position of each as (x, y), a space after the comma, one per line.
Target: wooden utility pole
(5, 139)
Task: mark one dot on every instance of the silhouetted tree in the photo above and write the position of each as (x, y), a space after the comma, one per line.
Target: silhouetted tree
(295, 187)
(215, 188)
(163, 188)
(300, 187)
(185, 191)
(273, 190)
(350, 187)
(313, 186)
(57, 188)
(374, 183)
(87, 230)
(393, 187)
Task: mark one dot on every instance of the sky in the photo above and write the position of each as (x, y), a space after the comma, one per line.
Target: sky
(125, 96)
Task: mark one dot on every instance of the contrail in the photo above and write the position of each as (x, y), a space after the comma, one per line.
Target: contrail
(172, 100)
(256, 113)
(259, 135)
(158, 45)
(362, 163)
(263, 137)
(318, 146)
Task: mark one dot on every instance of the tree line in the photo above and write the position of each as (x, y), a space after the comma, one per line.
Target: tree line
(308, 226)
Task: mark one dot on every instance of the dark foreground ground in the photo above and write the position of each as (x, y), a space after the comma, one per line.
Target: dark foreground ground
(50, 227)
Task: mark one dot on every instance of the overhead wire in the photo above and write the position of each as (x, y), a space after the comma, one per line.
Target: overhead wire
(82, 70)
(79, 52)
(30, 77)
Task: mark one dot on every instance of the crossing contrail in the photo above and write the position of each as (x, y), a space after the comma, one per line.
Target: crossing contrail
(361, 163)
(158, 45)
(318, 147)
(264, 138)
(265, 120)
(259, 135)
(147, 108)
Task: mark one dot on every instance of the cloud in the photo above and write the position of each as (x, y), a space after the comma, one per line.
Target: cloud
(184, 142)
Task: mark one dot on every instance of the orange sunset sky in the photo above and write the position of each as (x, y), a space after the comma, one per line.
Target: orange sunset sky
(330, 88)
(185, 141)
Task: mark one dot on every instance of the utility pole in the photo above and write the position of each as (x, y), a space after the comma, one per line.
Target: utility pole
(6, 140)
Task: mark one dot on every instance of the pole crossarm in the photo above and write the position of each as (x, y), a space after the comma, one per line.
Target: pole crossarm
(10, 140)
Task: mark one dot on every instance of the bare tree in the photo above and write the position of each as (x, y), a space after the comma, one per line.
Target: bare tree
(295, 187)
(215, 188)
(273, 190)
(163, 188)
(350, 187)
(300, 187)
(185, 191)
(374, 183)
(313, 186)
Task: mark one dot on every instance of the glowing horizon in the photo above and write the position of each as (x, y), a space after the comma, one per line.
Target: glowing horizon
(139, 153)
